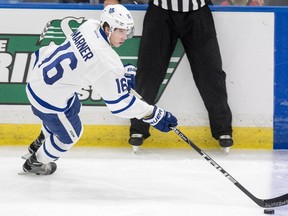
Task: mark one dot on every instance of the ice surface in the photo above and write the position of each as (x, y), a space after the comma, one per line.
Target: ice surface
(154, 182)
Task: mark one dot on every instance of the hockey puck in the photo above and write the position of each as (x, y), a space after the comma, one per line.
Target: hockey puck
(268, 211)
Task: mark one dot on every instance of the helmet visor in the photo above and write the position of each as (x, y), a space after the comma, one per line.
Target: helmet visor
(129, 33)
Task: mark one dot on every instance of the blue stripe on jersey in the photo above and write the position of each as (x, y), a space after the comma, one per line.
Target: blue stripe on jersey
(37, 58)
(55, 145)
(125, 108)
(47, 105)
(60, 48)
(118, 100)
(103, 35)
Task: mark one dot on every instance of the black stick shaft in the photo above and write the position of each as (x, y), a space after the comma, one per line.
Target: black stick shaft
(265, 203)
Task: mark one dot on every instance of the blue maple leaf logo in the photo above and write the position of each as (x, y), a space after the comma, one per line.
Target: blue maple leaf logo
(111, 10)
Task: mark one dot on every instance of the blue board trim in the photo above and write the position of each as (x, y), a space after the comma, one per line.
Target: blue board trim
(281, 81)
(139, 7)
(66, 6)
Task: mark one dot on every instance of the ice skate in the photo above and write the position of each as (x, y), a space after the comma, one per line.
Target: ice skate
(35, 167)
(225, 141)
(136, 140)
(34, 146)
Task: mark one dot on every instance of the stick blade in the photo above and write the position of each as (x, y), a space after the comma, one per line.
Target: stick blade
(275, 202)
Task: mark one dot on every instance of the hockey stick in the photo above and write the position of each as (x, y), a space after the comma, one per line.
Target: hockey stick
(265, 203)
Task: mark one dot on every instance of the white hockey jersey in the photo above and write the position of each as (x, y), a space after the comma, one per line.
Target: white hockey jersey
(85, 58)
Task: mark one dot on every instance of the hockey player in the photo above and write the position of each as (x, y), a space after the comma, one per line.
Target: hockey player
(85, 58)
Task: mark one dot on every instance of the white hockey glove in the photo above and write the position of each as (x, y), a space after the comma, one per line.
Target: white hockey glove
(161, 119)
(130, 73)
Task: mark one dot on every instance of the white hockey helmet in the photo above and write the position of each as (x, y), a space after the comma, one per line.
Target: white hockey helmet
(117, 16)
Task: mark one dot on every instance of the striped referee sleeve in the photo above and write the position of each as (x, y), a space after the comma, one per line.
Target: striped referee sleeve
(180, 5)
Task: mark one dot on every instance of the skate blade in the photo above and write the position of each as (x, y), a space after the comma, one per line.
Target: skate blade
(23, 173)
(136, 149)
(27, 173)
(226, 149)
(26, 156)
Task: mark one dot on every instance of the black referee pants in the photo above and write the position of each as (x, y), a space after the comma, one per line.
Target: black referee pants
(196, 30)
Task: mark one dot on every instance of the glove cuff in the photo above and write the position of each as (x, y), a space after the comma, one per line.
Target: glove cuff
(155, 117)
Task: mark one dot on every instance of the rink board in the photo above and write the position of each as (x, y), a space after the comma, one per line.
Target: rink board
(117, 136)
(254, 59)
